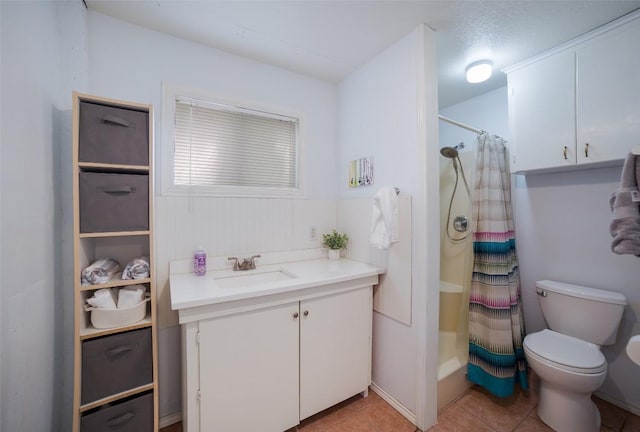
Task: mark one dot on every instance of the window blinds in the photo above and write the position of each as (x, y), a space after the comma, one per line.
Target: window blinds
(220, 145)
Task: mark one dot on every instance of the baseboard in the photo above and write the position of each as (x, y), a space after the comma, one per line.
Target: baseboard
(625, 406)
(394, 403)
(170, 419)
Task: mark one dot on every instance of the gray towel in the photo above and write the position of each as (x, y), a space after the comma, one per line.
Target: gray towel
(137, 268)
(625, 207)
(100, 271)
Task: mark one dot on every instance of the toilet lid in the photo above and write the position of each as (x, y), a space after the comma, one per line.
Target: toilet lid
(574, 354)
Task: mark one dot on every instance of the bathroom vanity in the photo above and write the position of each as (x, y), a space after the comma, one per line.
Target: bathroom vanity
(266, 348)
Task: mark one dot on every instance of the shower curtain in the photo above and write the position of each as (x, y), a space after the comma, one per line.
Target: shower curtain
(496, 325)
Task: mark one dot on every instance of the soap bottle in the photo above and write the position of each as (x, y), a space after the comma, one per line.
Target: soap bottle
(199, 261)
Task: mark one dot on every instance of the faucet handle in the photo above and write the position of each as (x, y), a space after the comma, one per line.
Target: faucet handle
(252, 263)
(236, 267)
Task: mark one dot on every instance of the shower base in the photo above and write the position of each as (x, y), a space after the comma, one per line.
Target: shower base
(452, 370)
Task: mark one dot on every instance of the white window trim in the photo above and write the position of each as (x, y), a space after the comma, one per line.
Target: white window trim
(168, 188)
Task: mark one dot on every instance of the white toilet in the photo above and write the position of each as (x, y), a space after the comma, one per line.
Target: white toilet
(567, 356)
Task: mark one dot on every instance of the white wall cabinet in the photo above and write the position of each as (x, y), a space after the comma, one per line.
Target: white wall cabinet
(577, 106)
(542, 114)
(267, 366)
(608, 96)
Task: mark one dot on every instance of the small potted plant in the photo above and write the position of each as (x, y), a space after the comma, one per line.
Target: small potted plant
(335, 242)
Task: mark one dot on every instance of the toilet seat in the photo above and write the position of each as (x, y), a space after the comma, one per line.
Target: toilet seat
(566, 352)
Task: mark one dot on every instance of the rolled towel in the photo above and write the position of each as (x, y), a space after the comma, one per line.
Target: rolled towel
(100, 271)
(130, 296)
(103, 299)
(137, 268)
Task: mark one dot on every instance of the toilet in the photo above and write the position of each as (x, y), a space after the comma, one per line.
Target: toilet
(567, 357)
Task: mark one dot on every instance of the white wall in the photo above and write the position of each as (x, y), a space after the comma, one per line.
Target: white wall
(378, 118)
(487, 112)
(43, 60)
(388, 110)
(562, 233)
(135, 71)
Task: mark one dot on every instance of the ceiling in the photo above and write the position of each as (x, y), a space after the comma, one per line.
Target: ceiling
(328, 39)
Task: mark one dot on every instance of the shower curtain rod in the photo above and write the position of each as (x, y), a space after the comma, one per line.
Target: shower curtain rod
(462, 125)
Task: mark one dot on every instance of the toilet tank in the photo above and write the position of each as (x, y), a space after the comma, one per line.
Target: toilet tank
(589, 314)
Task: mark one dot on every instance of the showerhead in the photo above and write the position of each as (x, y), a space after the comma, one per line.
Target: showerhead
(449, 152)
(452, 152)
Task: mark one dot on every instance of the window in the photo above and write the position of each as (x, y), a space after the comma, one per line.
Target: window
(227, 149)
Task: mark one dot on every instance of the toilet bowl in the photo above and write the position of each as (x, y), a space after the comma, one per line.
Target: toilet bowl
(567, 357)
(570, 370)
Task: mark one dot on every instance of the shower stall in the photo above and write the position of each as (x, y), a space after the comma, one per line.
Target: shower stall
(457, 164)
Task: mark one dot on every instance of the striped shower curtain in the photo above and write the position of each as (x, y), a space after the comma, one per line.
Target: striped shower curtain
(496, 325)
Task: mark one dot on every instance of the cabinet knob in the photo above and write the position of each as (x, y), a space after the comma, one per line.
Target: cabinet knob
(564, 152)
(295, 315)
(305, 313)
(586, 150)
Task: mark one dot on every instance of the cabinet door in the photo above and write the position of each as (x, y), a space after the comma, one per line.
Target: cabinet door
(608, 95)
(335, 349)
(542, 113)
(249, 369)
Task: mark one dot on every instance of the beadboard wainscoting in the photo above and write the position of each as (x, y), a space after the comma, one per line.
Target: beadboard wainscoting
(235, 227)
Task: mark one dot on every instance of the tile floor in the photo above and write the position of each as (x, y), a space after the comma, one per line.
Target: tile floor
(357, 414)
(475, 411)
(479, 411)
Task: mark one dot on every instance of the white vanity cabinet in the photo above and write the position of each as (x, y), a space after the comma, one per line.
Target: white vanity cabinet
(249, 370)
(578, 104)
(335, 349)
(265, 361)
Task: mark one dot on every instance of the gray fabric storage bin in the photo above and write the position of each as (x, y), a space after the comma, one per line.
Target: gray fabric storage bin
(133, 415)
(113, 135)
(115, 363)
(113, 202)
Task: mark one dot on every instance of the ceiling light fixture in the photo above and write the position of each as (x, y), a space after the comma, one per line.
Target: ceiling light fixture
(479, 71)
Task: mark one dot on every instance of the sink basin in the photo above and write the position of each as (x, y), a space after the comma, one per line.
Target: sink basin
(633, 349)
(253, 279)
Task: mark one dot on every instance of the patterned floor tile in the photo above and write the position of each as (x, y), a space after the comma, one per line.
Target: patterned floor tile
(502, 414)
(457, 419)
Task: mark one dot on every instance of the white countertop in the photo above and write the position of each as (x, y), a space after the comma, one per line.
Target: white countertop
(188, 290)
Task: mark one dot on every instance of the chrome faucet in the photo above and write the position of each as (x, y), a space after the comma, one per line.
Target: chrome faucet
(246, 264)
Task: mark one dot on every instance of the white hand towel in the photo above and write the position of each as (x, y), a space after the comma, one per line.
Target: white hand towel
(384, 219)
(103, 299)
(130, 296)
